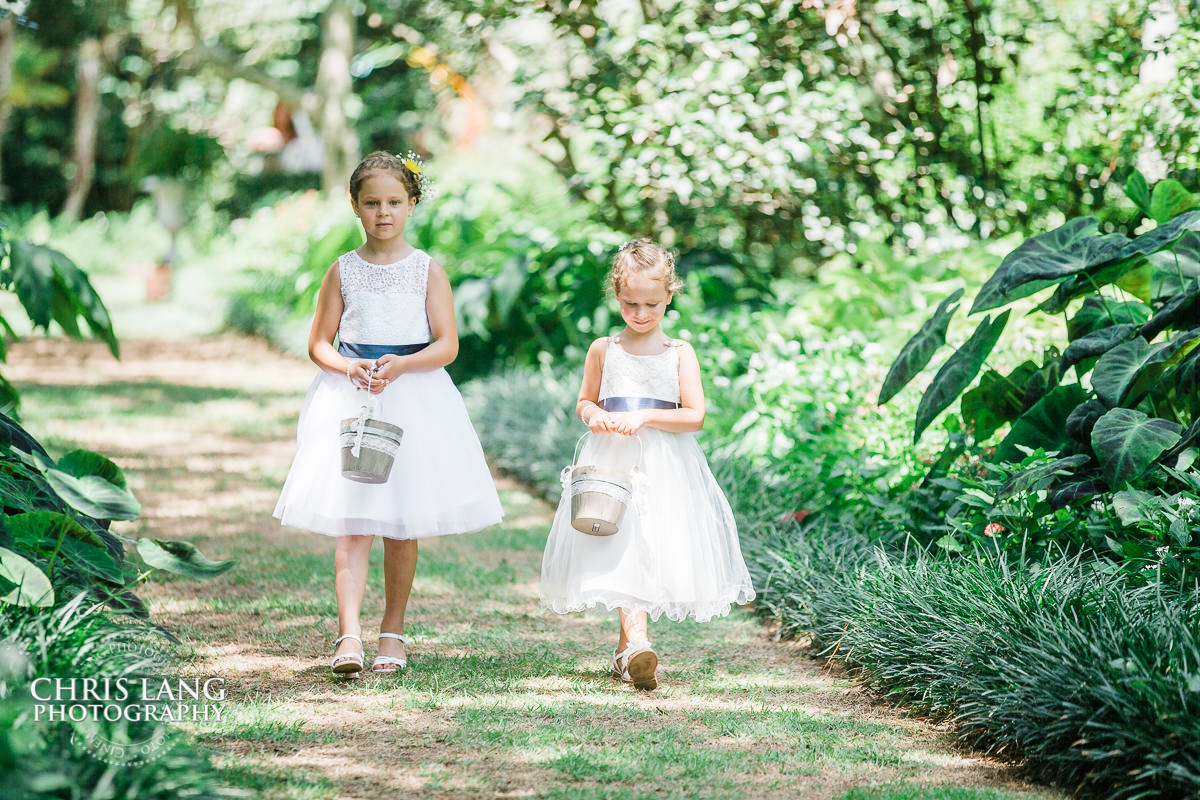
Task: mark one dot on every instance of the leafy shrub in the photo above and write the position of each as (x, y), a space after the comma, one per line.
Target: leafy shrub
(54, 533)
(51, 289)
(1129, 417)
(49, 759)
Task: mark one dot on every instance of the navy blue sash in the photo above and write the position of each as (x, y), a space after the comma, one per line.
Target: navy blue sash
(374, 351)
(635, 403)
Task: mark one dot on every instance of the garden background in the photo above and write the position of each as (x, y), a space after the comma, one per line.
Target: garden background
(942, 267)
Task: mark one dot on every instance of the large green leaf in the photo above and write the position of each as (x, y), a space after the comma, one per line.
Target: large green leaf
(1138, 190)
(919, 349)
(1127, 442)
(30, 585)
(82, 463)
(1044, 425)
(14, 435)
(1170, 199)
(1182, 306)
(1166, 233)
(1083, 418)
(1043, 260)
(52, 288)
(180, 557)
(33, 278)
(92, 484)
(958, 372)
(1095, 344)
(44, 532)
(1117, 368)
(1100, 312)
(1165, 356)
(1128, 267)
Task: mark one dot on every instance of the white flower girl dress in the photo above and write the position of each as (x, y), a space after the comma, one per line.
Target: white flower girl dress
(439, 482)
(677, 550)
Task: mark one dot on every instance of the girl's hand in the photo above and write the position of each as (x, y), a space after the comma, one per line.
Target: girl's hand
(600, 421)
(387, 369)
(358, 372)
(629, 422)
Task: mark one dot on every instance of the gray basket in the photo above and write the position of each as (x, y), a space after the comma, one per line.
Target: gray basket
(598, 501)
(599, 495)
(376, 451)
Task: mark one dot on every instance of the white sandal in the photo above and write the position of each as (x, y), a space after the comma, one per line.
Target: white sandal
(637, 664)
(391, 663)
(347, 662)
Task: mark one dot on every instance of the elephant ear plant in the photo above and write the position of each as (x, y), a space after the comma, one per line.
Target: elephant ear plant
(55, 515)
(1115, 408)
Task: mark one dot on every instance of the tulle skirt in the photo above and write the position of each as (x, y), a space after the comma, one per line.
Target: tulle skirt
(676, 552)
(439, 482)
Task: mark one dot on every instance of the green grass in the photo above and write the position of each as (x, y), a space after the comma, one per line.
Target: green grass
(908, 791)
(500, 697)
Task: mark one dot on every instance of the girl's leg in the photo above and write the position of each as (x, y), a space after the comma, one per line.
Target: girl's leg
(399, 566)
(349, 583)
(633, 627)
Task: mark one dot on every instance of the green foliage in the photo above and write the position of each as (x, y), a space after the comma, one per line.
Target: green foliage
(51, 289)
(1062, 665)
(43, 759)
(56, 517)
(1131, 347)
(916, 353)
(958, 372)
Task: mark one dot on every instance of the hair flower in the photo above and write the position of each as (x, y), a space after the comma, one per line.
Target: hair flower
(412, 166)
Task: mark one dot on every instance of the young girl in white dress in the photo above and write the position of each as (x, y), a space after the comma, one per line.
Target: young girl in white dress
(677, 551)
(390, 309)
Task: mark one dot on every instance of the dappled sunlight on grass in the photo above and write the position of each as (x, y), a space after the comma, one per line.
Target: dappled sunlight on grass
(501, 698)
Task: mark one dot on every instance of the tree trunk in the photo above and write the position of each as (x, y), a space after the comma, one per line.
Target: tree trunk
(7, 41)
(334, 89)
(87, 117)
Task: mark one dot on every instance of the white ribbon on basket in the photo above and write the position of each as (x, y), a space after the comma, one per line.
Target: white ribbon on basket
(369, 409)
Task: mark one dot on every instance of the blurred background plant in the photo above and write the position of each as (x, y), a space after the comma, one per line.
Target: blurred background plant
(834, 177)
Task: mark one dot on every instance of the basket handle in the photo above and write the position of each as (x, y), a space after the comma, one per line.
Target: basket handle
(575, 456)
(371, 407)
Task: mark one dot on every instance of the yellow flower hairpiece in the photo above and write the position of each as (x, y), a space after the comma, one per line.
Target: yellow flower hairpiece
(412, 163)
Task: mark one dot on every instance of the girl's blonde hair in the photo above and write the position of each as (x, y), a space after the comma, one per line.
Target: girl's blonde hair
(641, 257)
(407, 170)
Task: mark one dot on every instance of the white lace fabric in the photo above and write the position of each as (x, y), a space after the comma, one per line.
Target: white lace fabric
(384, 303)
(628, 375)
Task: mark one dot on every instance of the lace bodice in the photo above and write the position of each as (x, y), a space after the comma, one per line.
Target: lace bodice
(627, 375)
(384, 303)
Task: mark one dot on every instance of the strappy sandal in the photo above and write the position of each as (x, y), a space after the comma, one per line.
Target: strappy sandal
(637, 664)
(347, 662)
(383, 664)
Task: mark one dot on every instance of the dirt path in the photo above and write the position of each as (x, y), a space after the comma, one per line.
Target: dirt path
(500, 700)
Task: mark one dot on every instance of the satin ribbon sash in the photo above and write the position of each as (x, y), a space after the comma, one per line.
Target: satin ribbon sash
(375, 351)
(635, 403)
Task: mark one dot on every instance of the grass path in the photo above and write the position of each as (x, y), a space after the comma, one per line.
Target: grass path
(500, 700)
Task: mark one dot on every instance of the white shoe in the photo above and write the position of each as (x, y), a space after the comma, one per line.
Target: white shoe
(347, 662)
(383, 664)
(637, 664)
